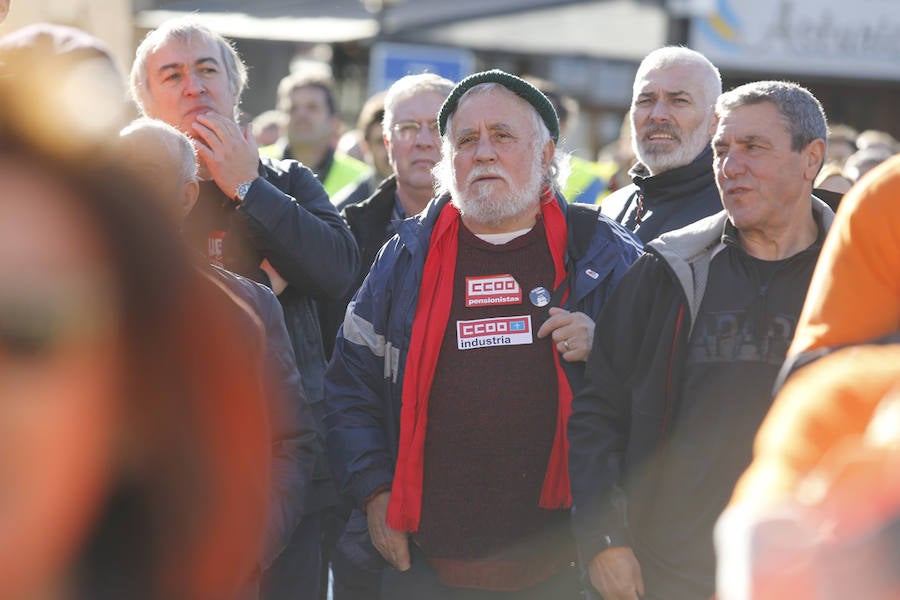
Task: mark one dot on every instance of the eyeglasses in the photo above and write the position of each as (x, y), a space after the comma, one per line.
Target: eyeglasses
(409, 130)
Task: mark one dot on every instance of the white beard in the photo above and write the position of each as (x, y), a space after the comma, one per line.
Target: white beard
(492, 210)
(689, 147)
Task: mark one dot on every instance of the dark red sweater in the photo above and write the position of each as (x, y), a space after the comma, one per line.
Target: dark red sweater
(491, 422)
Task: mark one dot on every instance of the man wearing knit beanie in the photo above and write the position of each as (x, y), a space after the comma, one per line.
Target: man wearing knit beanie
(471, 331)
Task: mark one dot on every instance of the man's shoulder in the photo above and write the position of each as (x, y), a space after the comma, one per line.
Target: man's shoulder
(588, 225)
(255, 294)
(614, 204)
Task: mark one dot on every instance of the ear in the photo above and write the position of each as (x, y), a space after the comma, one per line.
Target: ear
(813, 157)
(713, 124)
(387, 147)
(190, 194)
(547, 155)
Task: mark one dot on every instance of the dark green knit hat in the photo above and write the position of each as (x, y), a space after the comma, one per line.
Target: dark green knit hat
(518, 86)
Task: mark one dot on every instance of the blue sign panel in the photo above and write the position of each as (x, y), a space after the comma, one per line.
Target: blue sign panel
(389, 62)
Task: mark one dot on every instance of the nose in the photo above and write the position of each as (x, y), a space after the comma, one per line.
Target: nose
(730, 165)
(193, 85)
(484, 149)
(659, 111)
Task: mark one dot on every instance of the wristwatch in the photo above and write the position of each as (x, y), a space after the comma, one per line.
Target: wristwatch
(242, 190)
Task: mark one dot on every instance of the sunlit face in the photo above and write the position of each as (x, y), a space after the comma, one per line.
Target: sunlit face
(670, 116)
(762, 182)
(497, 166)
(186, 79)
(309, 119)
(59, 365)
(412, 153)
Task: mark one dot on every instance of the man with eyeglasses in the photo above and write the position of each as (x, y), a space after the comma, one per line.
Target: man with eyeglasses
(413, 146)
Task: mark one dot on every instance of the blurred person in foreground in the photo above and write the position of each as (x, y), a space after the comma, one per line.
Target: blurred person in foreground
(817, 515)
(471, 331)
(694, 336)
(165, 157)
(268, 220)
(309, 104)
(854, 296)
(135, 461)
(672, 121)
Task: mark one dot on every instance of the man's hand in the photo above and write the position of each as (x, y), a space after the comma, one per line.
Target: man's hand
(616, 574)
(392, 544)
(228, 152)
(572, 332)
(277, 281)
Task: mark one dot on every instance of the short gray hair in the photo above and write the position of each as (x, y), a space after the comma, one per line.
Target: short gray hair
(679, 55)
(559, 166)
(409, 86)
(801, 112)
(176, 143)
(185, 29)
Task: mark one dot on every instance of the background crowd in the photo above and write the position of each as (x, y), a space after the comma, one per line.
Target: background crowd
(430, 354)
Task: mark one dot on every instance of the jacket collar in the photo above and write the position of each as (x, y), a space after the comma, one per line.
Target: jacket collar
(689, 250)
(676, 183)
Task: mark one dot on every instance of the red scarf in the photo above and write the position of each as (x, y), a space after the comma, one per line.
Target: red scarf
(429, 326)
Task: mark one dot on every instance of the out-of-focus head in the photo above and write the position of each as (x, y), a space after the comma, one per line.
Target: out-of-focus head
(67, 79)
(862, 161)
(268, 126)
(875, 139)
(675, 90)
(831, 178)
(166, 160)
(498, 137)
(566, 107)
(183, 69)
(768, 146)
(4, 9)
(841, 143)
(369, 122)
(309, 103)
(410, 130)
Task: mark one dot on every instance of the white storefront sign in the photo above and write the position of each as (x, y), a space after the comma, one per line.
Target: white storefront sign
(838, 38)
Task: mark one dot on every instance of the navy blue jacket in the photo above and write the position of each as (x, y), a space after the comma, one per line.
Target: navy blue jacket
(363, 383)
